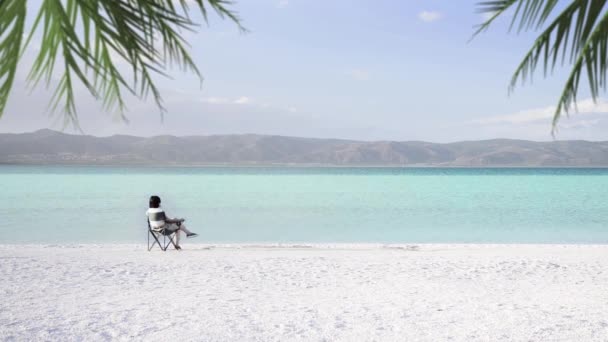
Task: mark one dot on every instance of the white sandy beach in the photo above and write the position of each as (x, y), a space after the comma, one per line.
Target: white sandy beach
(347, 293)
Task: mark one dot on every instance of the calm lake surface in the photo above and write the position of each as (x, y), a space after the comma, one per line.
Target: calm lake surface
(72, 204)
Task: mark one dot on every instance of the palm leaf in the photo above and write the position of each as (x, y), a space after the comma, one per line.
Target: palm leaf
(576, 35)
(83, 41)
(12, 23)
(592, 58)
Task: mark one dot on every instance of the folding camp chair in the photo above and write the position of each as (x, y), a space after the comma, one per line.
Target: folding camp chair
(167, 236)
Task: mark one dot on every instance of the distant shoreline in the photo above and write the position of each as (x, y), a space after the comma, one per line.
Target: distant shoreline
(46, 147)
(303, 166)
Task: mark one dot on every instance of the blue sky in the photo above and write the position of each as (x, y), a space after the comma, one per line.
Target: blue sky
(370, 70)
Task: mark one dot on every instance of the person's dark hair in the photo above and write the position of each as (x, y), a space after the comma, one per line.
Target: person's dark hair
(154, 201)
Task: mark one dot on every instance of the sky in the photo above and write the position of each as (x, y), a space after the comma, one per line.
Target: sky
(366, 70)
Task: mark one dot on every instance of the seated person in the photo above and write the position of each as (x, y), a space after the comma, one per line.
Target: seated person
(159, 221)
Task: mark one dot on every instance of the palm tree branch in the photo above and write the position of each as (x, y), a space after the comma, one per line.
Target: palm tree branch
(554, 39)
(594, 56)
(12, 25)
(90, 39)
(495, 9)
(529, 13)
(579, 32)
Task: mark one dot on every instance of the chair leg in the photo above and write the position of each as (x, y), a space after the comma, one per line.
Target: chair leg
(172, 240)
(151, 246)
(165, 244)
(154, 242)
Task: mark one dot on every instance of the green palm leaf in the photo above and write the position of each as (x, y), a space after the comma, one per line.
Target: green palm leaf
(12, 24)
(577, 35)
(83, 41)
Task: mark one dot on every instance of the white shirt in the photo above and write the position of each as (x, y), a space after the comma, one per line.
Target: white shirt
(156, 217)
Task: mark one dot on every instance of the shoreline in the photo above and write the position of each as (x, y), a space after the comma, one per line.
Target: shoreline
(188, 245)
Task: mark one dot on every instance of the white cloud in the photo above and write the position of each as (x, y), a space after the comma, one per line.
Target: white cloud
(581, 124)
(586, 106)
(226, 102)
(282, 3)
(242, 100)
(359, 74)
(429, 16)
(214, 100)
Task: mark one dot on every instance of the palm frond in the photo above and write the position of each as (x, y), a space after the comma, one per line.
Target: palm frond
(574, 23)
(495, 9)
(529, 13)
(575, 35)
(86, 42)
(592, 58)
(12, 25)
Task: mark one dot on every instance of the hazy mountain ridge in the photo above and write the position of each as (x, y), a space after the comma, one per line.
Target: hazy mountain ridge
(51, 147)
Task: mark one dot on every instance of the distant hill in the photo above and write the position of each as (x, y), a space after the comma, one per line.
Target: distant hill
(51, 147)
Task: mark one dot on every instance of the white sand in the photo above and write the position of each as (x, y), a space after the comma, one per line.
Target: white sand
(355, 293)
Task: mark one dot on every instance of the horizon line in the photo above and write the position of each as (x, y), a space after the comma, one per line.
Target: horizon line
(84, 134)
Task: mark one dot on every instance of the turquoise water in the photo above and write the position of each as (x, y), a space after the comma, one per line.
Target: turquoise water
(316, 205)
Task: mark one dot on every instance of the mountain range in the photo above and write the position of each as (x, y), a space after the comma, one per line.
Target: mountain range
(52, 147)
